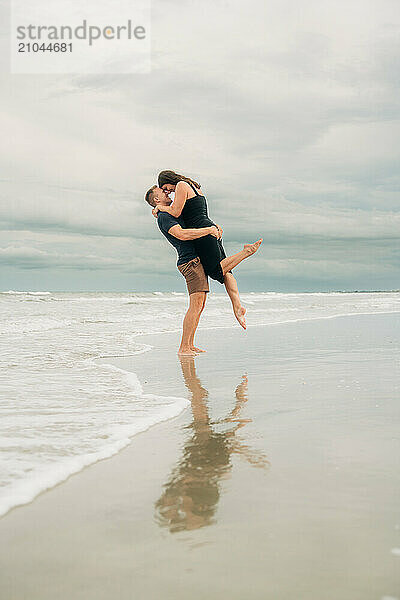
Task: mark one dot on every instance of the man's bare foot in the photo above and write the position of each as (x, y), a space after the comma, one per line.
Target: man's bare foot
(186, 352)
(252, 248)
(197, 349)
(239, 314)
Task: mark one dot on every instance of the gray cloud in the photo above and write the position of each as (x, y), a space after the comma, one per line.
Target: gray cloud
(288, 115)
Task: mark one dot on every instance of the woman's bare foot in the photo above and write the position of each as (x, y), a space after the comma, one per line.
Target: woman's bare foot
(197, 349)
(186, 352)
(252, 248)
(239, 314)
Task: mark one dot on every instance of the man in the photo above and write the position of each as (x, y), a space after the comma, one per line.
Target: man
(188, 264)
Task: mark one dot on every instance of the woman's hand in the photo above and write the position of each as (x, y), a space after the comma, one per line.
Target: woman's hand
(220, 230)
(155, 211)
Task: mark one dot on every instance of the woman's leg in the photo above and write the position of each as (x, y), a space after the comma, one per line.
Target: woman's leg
(233, 293)
(230, 262)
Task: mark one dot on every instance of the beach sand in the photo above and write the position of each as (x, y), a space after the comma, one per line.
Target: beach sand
(280, 481)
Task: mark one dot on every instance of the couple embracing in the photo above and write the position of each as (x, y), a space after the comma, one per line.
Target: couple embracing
(197, 240)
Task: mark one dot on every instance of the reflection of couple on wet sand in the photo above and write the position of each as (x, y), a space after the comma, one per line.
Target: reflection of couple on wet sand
(197, 240)
(191, 494)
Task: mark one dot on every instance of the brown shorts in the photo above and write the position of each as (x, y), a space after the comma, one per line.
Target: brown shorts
(196, 279)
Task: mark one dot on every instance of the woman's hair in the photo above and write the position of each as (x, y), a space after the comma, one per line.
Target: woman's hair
(174, 178)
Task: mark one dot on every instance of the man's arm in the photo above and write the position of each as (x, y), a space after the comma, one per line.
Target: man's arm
(193, 234)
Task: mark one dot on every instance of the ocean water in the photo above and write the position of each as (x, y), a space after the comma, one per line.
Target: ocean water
(61, 409)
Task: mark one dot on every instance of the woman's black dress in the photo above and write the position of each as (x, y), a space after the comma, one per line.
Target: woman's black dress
(209, 249)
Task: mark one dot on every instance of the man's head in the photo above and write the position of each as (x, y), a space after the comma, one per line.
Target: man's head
(155, 195)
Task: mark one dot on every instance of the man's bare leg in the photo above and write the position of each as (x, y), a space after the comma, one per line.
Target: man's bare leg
(190, 322)
(191, 341)
(233, 293)
(230, 262)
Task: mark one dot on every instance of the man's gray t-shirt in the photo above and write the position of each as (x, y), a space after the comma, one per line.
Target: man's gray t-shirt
(185, 249)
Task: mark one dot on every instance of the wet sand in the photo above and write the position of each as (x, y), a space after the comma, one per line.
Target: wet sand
(280, 481)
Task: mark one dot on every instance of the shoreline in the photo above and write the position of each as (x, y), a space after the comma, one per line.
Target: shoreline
(149, 523)
(115, 364)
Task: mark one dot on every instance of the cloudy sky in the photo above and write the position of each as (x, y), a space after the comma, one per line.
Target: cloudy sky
(286, 111)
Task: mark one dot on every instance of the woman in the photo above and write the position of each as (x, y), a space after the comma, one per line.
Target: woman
(191, 205)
